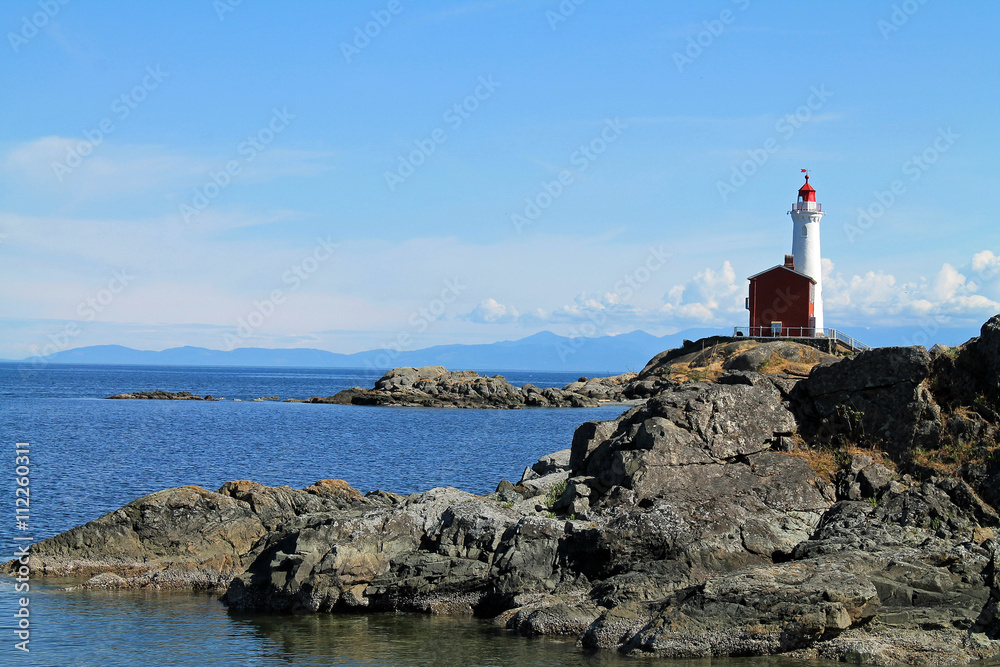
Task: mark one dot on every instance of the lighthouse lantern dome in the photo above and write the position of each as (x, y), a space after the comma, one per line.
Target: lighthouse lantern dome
(807, 192)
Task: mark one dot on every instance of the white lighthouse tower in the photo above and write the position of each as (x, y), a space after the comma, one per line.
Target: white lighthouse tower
(806, 215)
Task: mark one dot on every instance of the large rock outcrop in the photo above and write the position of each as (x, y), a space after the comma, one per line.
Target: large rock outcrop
(710, 358)
(698, 528)
(187, 537)
(931, 413)
(912, 577)
(878, 397)
(845, 516)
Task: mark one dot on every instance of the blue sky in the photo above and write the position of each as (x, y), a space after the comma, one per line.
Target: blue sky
(231, 174)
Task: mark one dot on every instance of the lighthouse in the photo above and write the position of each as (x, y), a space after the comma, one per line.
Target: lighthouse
(806, 215)
(786, 299)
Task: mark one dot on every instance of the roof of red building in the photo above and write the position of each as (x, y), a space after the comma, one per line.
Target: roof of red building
(783, 268)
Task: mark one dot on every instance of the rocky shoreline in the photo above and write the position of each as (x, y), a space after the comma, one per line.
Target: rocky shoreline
(783, 504)
(437, 387)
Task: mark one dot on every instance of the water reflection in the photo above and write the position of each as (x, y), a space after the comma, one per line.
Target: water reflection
(119, 628)
(407, 639)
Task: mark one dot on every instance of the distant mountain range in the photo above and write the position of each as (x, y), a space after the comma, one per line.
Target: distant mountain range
(545, 351)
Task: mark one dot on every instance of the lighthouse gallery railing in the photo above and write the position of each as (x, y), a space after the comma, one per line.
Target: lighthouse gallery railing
(807, 206)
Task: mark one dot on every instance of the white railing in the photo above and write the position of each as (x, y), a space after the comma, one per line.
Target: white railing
(774, 332)
(799, 332)
(807, 206)
(853, 343)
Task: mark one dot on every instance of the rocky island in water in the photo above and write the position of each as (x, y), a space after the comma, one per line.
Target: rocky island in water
(759, 499)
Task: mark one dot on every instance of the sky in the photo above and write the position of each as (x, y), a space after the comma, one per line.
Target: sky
(367, 174)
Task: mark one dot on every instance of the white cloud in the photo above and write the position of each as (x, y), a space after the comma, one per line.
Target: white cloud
(710, 297)
(71, 167)
(948, 283)
(879, 298)
(212, 274)
(986, 264)
(491, 311)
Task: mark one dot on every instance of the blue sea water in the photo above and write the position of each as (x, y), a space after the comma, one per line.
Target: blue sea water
(90, 456)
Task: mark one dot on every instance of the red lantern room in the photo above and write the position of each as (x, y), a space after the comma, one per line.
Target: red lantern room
(806, 192)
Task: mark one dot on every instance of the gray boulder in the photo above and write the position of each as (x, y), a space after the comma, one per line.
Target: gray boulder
(185, 537)
(178, 538)
(877, 398)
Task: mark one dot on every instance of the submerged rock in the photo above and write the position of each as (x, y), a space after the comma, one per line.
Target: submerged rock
(161, 395)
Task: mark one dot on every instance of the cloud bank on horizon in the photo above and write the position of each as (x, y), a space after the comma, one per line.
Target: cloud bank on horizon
(384, 174)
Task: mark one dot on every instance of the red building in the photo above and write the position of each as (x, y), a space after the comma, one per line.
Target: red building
(782, 302)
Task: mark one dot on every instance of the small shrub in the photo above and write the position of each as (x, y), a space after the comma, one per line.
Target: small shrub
(852, 426)
(841, 458)
(555, 493)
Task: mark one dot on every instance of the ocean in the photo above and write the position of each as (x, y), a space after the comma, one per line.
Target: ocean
(89, 456)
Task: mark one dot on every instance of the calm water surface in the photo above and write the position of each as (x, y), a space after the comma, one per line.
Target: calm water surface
(129, 628)
(90, 456)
